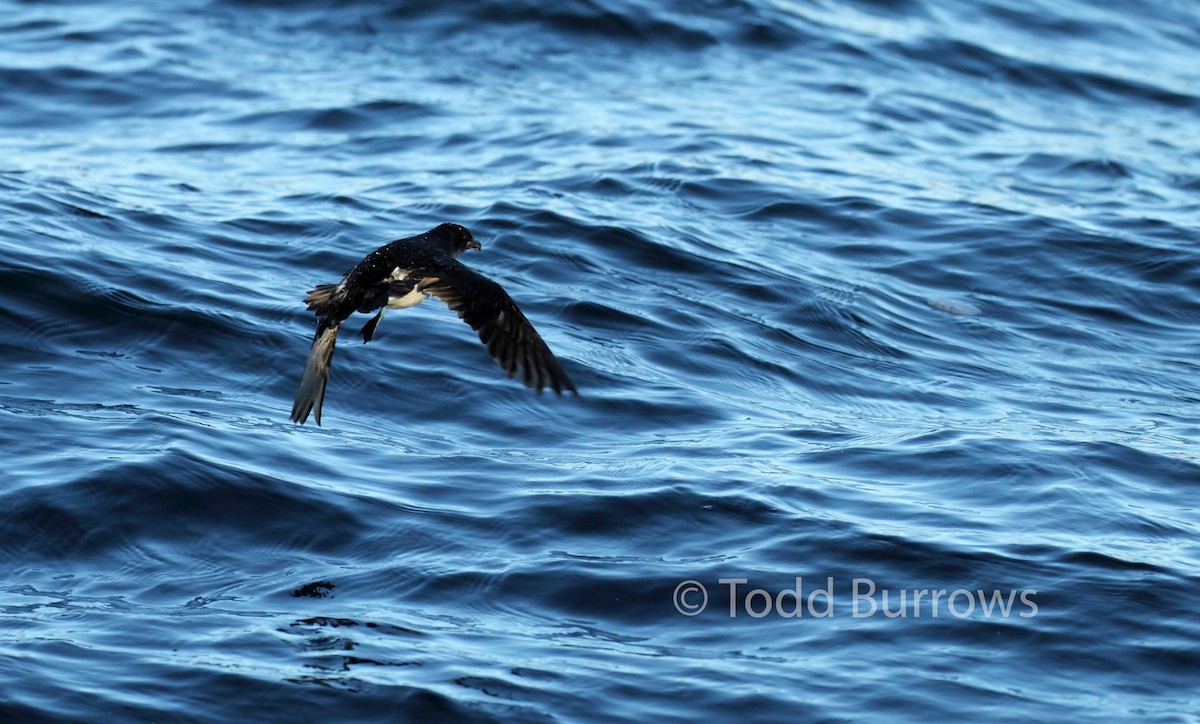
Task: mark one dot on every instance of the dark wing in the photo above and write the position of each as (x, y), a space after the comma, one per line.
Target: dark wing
(511, 340)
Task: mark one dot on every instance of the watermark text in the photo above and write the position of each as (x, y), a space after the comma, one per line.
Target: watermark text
(862, 598)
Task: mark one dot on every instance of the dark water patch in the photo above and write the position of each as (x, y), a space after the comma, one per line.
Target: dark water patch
(980, 62)
(185, 392)
(634, 23)
(213, 147)
(1036, 20)
(175, 499)
(598, 184)
(264, 227)
(92, 87)
(952, 122)
(331, 200)
(1188, 183)
(67, 96)
(606, 320)
(638, 251)
(381, 145)
(66, 314)
(176, 692)
(26, 26)
(1147, 473)
(626, 22)
(362, 117)
(650, 515)
(1067, 173)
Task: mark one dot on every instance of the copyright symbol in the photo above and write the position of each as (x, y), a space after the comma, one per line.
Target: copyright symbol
(681, 599)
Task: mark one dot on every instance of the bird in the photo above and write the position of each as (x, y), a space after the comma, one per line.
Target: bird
(406, 272)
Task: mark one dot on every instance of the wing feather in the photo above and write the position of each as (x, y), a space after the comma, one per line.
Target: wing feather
(508, 335)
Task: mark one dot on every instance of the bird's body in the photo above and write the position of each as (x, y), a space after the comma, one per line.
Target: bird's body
(404, 273)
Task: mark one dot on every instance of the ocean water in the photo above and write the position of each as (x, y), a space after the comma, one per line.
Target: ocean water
(896, 298)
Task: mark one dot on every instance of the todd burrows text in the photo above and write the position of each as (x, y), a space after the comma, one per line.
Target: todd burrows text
(866, 600)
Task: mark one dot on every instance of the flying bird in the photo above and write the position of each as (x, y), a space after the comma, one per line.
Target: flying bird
(406, 272)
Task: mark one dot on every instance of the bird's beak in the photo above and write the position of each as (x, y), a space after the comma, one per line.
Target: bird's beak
(472, 244)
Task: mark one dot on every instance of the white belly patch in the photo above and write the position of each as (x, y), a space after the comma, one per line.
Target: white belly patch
(413, 298)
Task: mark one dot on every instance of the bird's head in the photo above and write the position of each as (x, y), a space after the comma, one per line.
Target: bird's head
(457, 238)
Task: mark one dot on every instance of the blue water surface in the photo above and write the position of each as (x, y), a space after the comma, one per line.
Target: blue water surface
(898, 298)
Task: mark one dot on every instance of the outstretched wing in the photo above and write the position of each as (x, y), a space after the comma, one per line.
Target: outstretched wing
(511, 340)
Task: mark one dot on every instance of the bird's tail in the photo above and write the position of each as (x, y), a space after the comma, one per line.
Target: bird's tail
(323, 300)
(311, 393)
